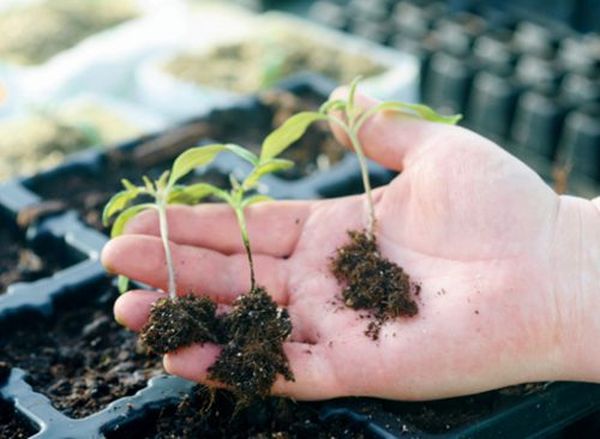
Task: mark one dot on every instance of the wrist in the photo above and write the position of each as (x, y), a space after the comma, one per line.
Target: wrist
(576, 264)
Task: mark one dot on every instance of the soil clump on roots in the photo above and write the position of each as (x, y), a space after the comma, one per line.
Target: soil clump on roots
(372, 282)
(251, 336)
(180, 322)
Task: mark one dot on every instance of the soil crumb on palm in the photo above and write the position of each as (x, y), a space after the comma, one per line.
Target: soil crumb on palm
(180, 322)
(253, 355)
(372, 282)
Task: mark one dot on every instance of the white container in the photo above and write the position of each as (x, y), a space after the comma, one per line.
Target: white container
(113, 120)
(177, 99)
(104, 63)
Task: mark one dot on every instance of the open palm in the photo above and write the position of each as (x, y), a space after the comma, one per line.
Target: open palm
(471, 224)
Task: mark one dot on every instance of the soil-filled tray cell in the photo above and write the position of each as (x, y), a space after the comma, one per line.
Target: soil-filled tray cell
(21, 263)
(215, 416)
(80, 358)
(13, 425)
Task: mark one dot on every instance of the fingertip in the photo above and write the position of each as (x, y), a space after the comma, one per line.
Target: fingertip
(192, 362)
(118, 310)
(108, 256)
(133, 308)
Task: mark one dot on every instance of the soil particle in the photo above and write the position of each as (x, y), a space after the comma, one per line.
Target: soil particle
(253, 356)
(11, 425)
(372, 282)
(202, 415)
(181, 322)
(81, 359)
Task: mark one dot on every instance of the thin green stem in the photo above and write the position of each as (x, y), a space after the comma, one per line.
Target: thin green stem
(164, 235)
(239, 212)
(364, 170)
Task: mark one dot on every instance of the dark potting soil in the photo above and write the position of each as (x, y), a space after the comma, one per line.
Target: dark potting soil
(20, 264)
(181, 322)
(4, 371)
(253, 355)
(88, 192)
(373, 283)
(82, 359)
(12, 425)
(203, 415)
(445, 415)
(251, 334)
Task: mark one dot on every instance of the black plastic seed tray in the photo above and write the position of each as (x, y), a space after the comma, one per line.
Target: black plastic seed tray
(551, 407)
(530, 83)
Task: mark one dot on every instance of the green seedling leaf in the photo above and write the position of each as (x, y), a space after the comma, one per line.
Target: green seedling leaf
(118, 202)
(352, 95)
(128, 185)
(192, 158)
(268, 167)
(242, 152)
(337, 104)
(123, 283)
(191, 194)
(161, 183)
(420, 110)
(125, 216)
(148, 184)
(255, 199)
(293, 128)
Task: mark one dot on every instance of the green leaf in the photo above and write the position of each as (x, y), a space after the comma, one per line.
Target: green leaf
(125, 216)
(162, 180)
(148, 184)
(123, 283)
(352, 94)
(128, 185)
(192, 158)
(255, 199)
(191, 194)
(420, 110)
(118, 202)
(268, 167)
(242, 152)
(292, 129)
(336, 104)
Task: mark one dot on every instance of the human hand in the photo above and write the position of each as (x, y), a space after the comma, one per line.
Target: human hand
(506, 284)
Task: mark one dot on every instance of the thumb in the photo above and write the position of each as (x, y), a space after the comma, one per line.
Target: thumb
(388, 137)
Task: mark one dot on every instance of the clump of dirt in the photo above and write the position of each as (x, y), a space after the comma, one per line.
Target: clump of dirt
(12, 425)
(180, 322)
(372, 282)
(253, 355)
(217, 416)
(251, 335)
